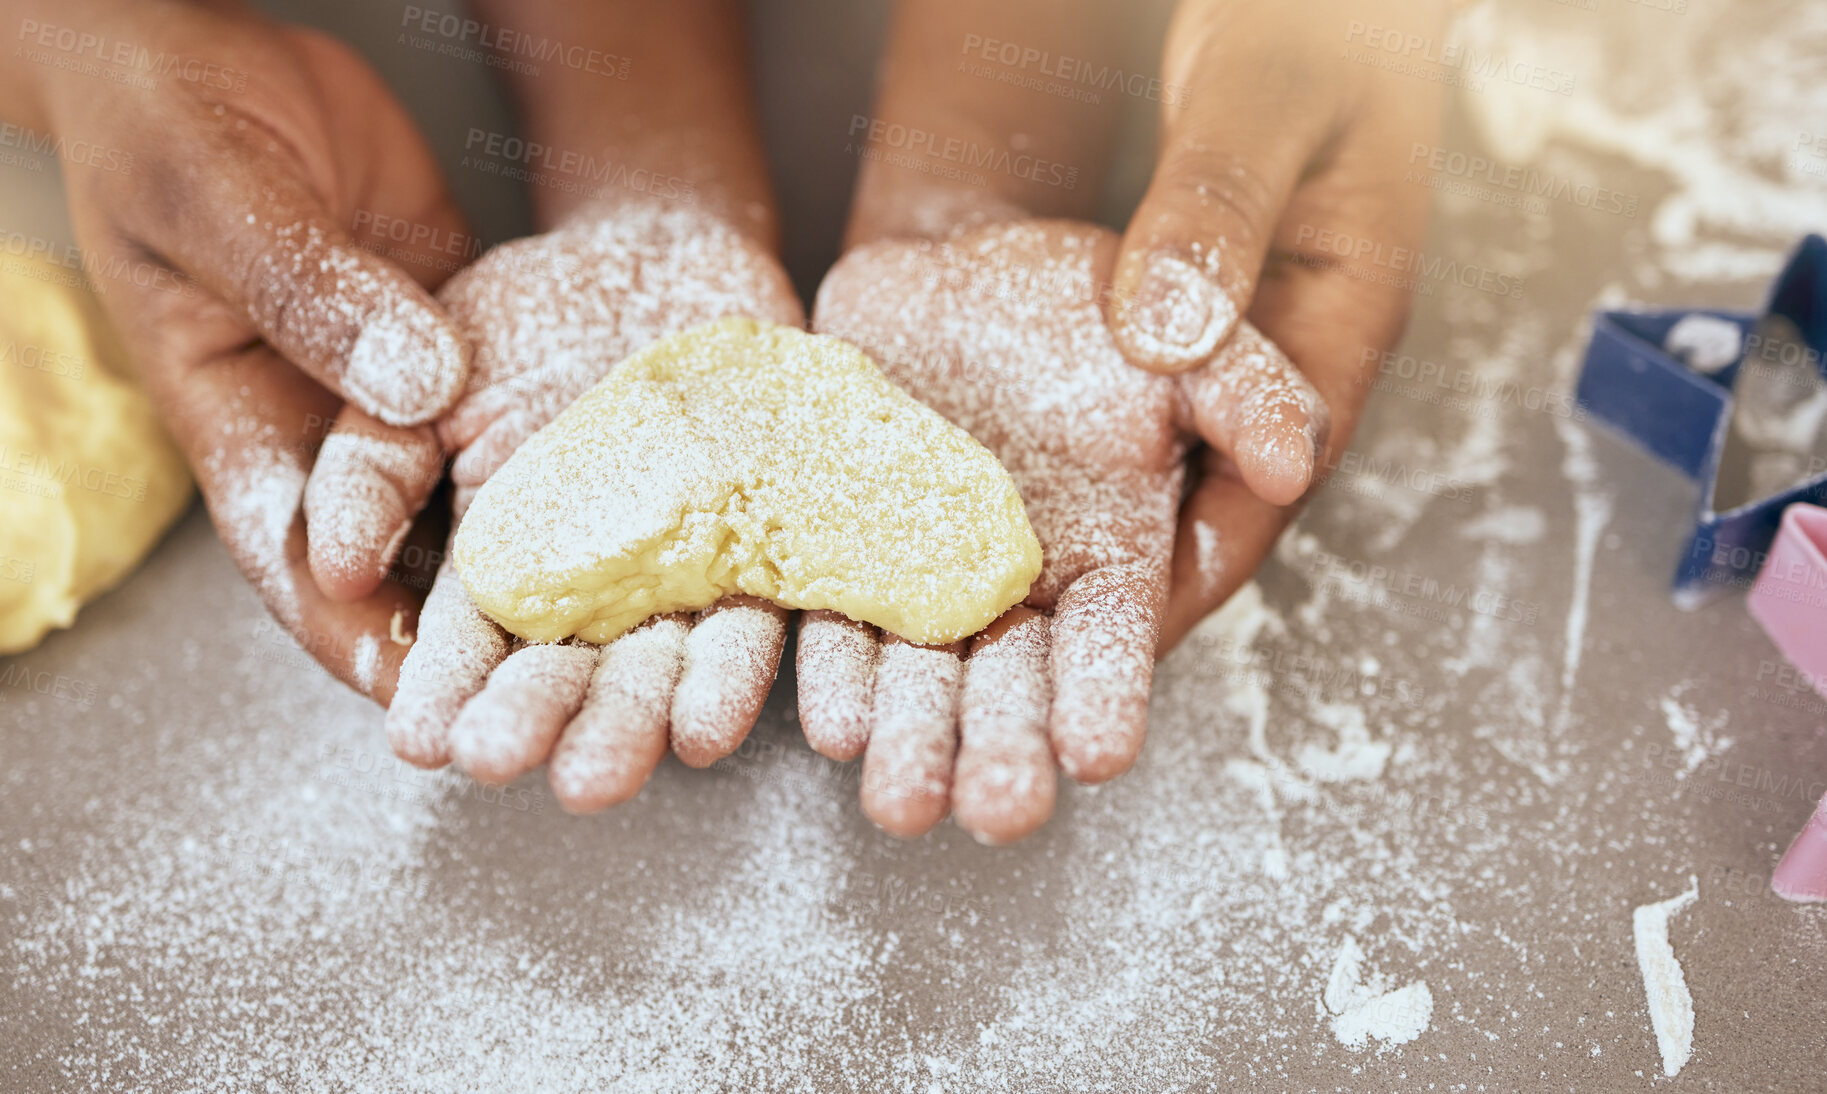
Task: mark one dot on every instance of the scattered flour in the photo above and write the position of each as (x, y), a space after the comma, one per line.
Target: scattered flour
(1363, 1007)
(1517, 525)
(1741, 188)
(1671, 1008)
(1356, 756)
(1696, 737)
(1592, 508)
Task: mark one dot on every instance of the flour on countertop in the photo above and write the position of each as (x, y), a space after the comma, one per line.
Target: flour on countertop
(1518, 525)
(1671, 1007)
(1696, 736)
(292, 920)
(1741, 188)
(1363, 1006)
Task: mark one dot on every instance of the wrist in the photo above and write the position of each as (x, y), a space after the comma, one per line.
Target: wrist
(671, 120)
(698, 206)
(895, 204)
(960, 136)
(576, 170)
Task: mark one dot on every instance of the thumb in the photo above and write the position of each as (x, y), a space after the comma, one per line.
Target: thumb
(1231, 154)
(253, 233)
(350, 319)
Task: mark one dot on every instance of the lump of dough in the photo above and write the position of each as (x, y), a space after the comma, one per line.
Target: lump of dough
(89, 479)
(748, 457)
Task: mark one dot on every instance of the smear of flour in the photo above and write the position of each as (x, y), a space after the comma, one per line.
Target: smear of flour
(1243, 618)
(1363, 1006)
(1705, 343)
(1210, 559)
(1696, 737)
(1671, 1008)
(367, 662)
(1517, 525)
(1356, 756)
(1591, 512)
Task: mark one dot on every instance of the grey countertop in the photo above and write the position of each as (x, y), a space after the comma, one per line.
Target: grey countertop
(1456, 723)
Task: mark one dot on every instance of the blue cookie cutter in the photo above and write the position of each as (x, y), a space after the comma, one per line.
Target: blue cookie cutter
(1684, 417)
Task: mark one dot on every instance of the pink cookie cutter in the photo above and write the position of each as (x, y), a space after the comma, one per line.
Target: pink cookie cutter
(1790, 602)
(1789, 599)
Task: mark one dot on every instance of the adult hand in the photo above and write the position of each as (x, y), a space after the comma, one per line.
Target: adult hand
(1274, 142)
(223, 161)
(549, 316)
(1279, 143)
(1001, 329)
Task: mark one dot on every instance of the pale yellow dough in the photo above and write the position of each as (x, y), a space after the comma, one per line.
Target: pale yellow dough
(88, 478)
(747, 457)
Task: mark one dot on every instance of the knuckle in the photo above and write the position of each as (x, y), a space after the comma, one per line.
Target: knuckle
(1217, 184)
(274, 283)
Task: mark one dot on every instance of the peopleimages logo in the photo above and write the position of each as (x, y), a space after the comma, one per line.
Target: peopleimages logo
(69, 48)
(1408, 261)
(40, 469)
(558, 168)
(1473, 64)
(1522, 180)
(81, 153)
(1416, 377)
(78, 265)
(1373, 583)
(51, 685)
(56, 362)
(503, 47)
(914, 141)
(1352, 465)
(416, 235)
(1070, 72)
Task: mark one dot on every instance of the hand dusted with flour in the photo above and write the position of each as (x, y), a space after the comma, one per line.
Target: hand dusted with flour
(1001, 329)
(549, 316)
(228, 261)
(752, 458)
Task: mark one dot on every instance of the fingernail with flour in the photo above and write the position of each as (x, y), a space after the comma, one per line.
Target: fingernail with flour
(1282, 462)
(1176, 315)
(407, 364)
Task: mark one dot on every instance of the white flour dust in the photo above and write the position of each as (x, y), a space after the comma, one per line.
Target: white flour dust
(1696, 737)
(1363, 1006)
(1739, 187)
(1671, 1008)
(1329, 860)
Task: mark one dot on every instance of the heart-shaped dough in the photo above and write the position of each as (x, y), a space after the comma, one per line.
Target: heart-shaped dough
(749, 457)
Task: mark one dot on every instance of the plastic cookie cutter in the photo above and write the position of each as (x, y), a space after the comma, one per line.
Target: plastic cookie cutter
(1734, 400)
(1790, 602)
(1789, 599)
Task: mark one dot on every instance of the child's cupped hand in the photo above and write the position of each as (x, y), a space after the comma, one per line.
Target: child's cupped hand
(1002, 330)
(549, 316)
